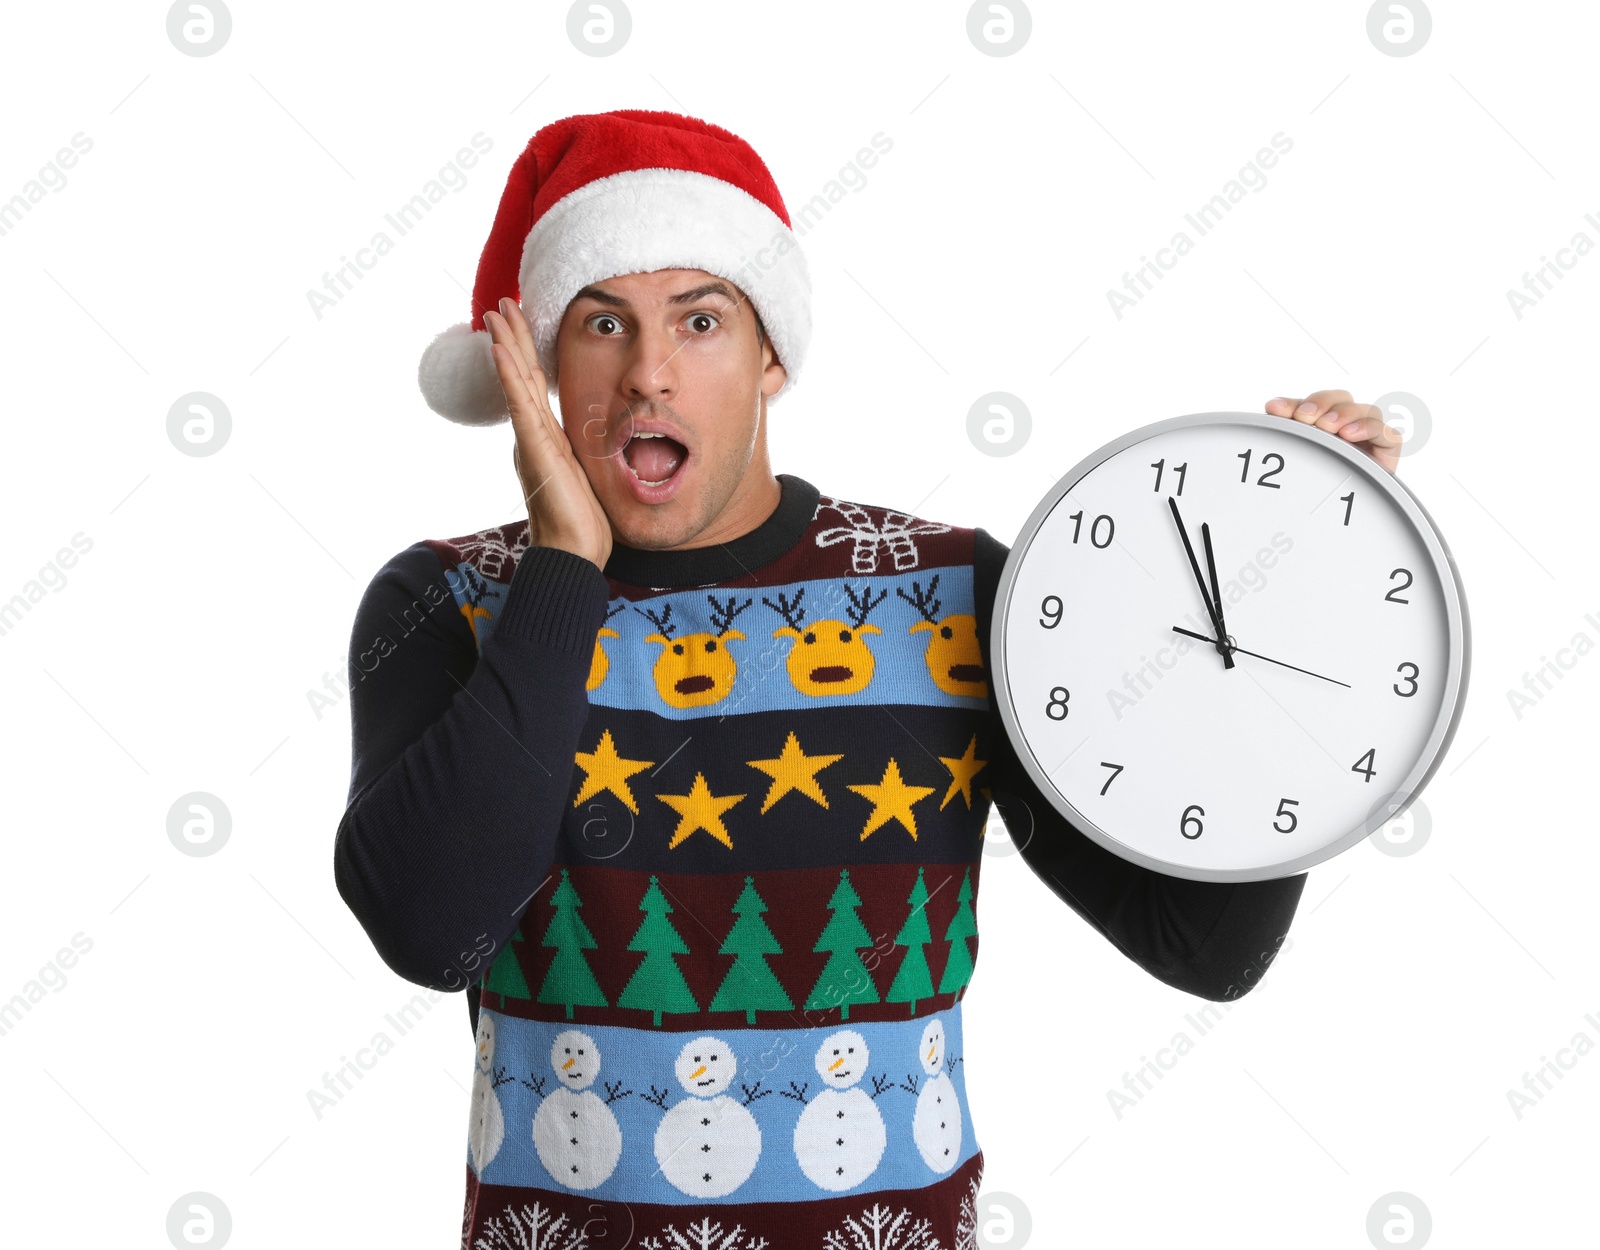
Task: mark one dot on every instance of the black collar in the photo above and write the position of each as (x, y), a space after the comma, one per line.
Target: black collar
(722, 562)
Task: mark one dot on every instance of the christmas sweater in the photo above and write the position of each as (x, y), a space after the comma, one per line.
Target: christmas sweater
(700, 836)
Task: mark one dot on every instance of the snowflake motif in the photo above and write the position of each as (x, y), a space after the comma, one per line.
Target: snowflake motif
(493, 551)
(967, 1220)
(882, 1228)
(706, 1235)
(894, 533)
(536, 1228)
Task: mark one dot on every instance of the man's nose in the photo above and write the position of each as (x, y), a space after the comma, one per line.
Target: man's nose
(652, 368)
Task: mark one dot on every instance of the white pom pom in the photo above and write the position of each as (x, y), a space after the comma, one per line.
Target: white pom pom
(458, 377)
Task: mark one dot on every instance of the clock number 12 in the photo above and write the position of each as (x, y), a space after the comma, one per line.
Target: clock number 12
(1262, 480)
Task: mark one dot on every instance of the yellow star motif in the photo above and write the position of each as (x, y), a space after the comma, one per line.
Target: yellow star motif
(604, 769)
(962, 771)
(700, 809)
(794, 770)
(892, 800)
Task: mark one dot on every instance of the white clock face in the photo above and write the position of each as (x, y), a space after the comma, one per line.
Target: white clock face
(1346, 629)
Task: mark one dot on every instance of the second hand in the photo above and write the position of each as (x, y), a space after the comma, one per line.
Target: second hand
(1179, 629)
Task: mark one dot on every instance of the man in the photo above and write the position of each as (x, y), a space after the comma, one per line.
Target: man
(684, 777)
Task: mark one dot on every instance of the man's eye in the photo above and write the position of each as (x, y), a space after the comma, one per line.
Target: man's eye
(605, 325)
(702, 323)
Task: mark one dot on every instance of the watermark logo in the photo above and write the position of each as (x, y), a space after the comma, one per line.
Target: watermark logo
(999, 424)
(999, 29)
(199, 424)
(1003, 1221)
(1409, 415)
(1399, 29)
(1406, 834)
(199, 29)
(1399, 1219)
(599, 29)
(199, 1219)
(199, 823)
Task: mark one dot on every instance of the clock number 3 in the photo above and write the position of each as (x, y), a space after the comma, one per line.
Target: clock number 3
(1410, 677)
(1057, 709)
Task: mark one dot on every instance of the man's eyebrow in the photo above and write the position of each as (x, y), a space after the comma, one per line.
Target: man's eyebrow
(683, 297)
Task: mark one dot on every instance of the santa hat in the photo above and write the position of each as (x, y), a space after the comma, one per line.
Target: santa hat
(603, 194)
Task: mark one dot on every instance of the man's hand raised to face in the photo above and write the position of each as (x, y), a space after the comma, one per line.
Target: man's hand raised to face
(562, 508)
(1335, 412)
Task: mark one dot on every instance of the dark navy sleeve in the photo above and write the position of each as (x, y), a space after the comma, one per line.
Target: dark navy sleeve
(461, 761)
(1213, 939)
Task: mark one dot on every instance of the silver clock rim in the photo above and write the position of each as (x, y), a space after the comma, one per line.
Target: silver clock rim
(1395, 801)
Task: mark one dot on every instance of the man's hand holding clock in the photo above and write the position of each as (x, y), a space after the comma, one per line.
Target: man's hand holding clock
(1337, 413)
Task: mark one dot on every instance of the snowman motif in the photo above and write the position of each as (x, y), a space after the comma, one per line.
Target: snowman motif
(575, 1133)
(936, 1126)
(840, 1136)
(708, 1144)
(486, 1128)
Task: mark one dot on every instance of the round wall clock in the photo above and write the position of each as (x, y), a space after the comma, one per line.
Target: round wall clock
(1229, 646)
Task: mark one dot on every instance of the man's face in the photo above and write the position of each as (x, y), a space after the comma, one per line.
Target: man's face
(663, 390)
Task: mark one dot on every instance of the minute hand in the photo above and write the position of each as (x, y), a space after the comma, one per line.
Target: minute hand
(1212, 611)
(1267, 658)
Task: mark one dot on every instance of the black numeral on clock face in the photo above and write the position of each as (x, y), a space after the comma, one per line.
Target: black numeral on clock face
(1292, 818)
(1191, 818)
(1263, 480)
(1053, 613)
(1368, 771)
(1094, 529)
(1410, 677)
(1057, 709)
(1349, 501)
(1394, 591)
(1182, 470)
(1115, 769)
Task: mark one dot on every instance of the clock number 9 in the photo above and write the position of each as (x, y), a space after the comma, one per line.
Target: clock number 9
(1410, 677)
(1057, 708)
(1183, 825)
(1053, 612)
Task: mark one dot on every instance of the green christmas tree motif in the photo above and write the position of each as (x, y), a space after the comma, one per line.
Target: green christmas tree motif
(845, 979)
(505, 973)
(570, 981)
(915, 979)
(750, 985)
(958, 969)
(657, 985)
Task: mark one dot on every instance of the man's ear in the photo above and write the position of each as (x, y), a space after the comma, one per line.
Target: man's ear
(773, 374)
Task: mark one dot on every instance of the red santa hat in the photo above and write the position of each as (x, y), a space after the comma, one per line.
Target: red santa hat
(629, 191)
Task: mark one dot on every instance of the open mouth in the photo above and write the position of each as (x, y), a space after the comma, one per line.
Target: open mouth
(653, 458)
(693, 685)
(830, 673)
(966, 672)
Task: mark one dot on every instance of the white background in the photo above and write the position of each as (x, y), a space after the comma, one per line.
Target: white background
(1417, 990)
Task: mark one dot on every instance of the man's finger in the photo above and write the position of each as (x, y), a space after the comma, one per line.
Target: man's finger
(1314, 405)
(1378, 440)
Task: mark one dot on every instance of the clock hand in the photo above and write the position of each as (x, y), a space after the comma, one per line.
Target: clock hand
(1267, 658)
(1211, 611)
(1216, 595)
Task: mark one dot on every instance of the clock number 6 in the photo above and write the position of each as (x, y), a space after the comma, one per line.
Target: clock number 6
(1057, 708)
(1183, 825)
(1294, 821)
